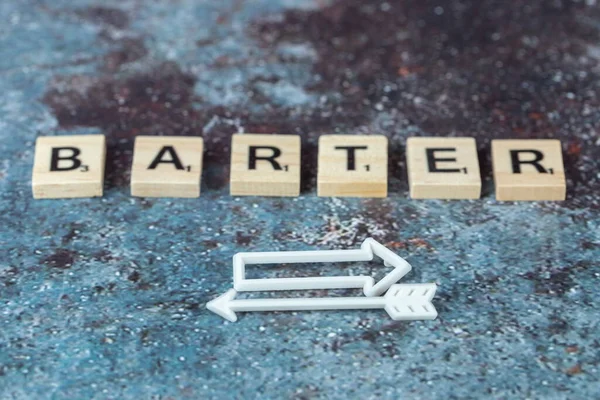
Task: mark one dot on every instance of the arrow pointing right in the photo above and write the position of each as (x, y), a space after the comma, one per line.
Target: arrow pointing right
(368, 250)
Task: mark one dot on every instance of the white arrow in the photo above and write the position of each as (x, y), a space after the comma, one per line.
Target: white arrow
(403, 302)
(368, 250)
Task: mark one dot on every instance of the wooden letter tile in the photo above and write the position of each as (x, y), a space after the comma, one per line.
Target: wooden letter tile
(528, 170)
(68, 166)
(265, 165)
(443, 168)
(353, 166)
(166, 166)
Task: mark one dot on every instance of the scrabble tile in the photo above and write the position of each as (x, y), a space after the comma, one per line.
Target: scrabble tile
(528, 170)
(353, 166)
(68, 166)
(443, 168)
(166, 166)
(265, 165)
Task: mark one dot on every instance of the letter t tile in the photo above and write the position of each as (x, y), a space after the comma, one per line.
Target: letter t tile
(353, 166)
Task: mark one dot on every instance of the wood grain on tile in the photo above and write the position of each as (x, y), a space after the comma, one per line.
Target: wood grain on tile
(265, 165)
(528, 169)
(167, 166)
(443, 168)
(68, 166)
(353, 166)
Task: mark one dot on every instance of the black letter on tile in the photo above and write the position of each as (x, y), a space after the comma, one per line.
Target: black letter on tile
(351, 152)
(174, 158)
(516, 160)
(57, 157)
(432, 160)
(253, 157)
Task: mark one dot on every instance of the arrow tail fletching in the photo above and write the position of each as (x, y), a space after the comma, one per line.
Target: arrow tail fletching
(411, 302)
(419, 291)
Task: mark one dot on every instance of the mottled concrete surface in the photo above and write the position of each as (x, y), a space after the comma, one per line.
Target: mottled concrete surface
(105, 298)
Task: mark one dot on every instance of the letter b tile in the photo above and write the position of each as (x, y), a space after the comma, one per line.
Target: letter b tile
(443, 168)
(68, 166)
(265, 165)
(167, 166)
(353, 166)
(528, 169)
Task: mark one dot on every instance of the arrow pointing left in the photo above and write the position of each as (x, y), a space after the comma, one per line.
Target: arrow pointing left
(403, 302)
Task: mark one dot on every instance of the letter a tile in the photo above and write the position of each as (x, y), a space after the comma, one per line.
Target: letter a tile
(166, 166)
(353, 166)
(68, 166)
(528, 169)
(265, 165)
(443, 168)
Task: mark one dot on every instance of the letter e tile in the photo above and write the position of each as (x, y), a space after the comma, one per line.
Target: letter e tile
(443, 168)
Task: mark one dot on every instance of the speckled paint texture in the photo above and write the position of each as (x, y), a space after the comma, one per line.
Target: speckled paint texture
(105, 298)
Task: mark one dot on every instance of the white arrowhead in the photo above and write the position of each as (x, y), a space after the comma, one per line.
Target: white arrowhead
(221, 305)
(390, 259)
(402, 302)
(368, 250)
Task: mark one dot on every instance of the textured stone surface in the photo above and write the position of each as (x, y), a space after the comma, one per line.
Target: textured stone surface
(104, 298)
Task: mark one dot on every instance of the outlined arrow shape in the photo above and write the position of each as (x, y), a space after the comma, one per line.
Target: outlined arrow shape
(403, 302)
(368, 250)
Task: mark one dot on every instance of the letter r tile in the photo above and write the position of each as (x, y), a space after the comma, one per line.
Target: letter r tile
(528, 169)
(167, 166)
(265, 165)
(443, 168)
(353, 166)
(68, 166)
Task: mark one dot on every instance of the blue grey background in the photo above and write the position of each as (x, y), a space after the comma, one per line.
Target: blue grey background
(105, 298)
